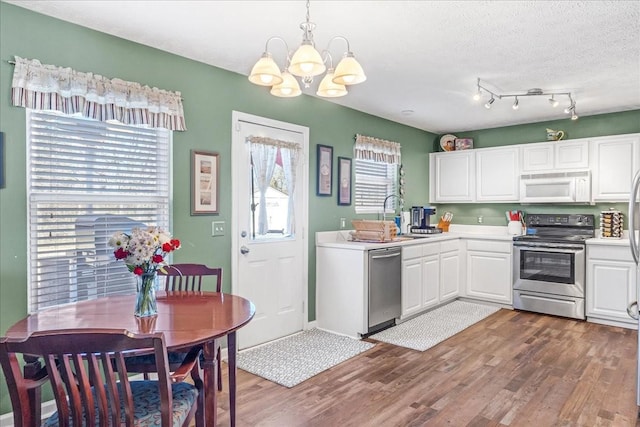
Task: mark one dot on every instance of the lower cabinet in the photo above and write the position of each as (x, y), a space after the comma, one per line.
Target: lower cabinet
(611, 283)
(489, 265)
(427, 279)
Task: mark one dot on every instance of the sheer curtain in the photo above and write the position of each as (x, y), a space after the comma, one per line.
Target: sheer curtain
(264, 153)
(48, 87)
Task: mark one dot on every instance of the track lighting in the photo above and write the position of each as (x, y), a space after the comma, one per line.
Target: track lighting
(480, 88)
(489, 102)
(306, 62)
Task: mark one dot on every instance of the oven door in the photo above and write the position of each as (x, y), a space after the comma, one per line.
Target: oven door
(549, 268)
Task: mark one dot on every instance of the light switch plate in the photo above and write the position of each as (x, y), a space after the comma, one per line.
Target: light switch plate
(217, 228)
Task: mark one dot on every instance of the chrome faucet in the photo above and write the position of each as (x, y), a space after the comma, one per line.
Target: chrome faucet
(384, 204)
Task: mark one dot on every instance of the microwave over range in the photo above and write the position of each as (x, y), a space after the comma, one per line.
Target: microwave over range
(556, 187)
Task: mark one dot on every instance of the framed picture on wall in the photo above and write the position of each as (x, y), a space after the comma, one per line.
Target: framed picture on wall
(325, 170)
(205, 170)
(344, 181)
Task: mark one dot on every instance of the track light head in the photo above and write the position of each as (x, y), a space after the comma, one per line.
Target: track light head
(489, 102)
(477, 95)
(516, 104)
(554, 102)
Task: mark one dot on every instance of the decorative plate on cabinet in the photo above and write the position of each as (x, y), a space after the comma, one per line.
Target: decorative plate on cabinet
(448, 142)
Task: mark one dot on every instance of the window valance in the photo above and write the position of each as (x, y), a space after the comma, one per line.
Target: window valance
(379, 150)
(49, 87)
(273, 142)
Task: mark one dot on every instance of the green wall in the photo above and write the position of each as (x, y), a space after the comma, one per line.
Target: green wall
(210, 94)
(494, 214)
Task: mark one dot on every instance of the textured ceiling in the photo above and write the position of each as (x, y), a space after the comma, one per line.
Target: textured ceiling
(422, 56)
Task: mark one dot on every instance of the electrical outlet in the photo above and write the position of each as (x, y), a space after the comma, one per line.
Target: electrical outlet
(343, 223)
(480, 219)
(217, 228)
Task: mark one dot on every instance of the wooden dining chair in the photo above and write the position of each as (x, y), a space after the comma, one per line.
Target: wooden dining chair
(90, 382)
(181, 277)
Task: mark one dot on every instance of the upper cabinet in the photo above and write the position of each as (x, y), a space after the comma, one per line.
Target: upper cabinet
(452, 177)
(497, 174)
(565, 155)
(614, 161)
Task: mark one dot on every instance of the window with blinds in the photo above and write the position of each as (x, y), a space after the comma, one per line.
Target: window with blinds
(373, 182)
(85, 181)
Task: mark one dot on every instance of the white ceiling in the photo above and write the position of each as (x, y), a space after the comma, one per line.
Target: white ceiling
(422, 56)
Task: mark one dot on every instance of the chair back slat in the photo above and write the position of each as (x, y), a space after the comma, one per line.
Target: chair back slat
(188, 277)
(88, 375)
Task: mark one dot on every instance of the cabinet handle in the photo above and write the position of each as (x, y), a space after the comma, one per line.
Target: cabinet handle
(633, 313)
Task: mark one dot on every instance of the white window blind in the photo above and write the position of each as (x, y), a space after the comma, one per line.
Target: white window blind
(86, 180)
(373, 182)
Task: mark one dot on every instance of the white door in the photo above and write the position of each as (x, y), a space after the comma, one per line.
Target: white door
(269, 251)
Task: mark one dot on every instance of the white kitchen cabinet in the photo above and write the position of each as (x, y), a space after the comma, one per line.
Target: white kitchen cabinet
(430, 275)
(549, 156)
(452, 177)
(497, 174)
(610, 283)
(488, 265)
(615, 160)
(450, 270)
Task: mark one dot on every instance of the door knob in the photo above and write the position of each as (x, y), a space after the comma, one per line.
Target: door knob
(244, 250)
(633, 313)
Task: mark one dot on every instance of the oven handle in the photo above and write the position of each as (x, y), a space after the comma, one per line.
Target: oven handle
(545, 248)
(633, 313)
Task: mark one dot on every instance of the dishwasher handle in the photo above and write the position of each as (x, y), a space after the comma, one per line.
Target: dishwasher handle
(385, 255)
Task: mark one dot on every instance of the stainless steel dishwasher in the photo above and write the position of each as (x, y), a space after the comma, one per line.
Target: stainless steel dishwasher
(385, 287)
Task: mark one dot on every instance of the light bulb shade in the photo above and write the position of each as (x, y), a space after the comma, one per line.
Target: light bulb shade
(265, 72)
(306, 61)
(349, 71)
(288, 88)
(329, 89)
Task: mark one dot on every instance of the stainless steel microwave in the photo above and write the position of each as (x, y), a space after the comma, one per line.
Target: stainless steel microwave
(556, 187)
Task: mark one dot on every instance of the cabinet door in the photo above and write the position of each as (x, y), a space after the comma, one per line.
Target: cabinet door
(497, 175)
(452, 177)
(616, 159)
(430, 280)
(610, 289)
(411, 286)
(537, 157)
(489, 276)
(572, 154)
(449, 275)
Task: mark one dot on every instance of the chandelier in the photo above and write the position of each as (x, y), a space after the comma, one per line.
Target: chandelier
(553, 101)
(306, 63)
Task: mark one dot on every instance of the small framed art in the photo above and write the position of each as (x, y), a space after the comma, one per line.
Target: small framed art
(204, 182)
(325, 170)
(344, 181)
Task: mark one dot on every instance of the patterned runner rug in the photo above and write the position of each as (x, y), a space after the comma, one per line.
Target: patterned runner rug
(294, 359)
(429, 329)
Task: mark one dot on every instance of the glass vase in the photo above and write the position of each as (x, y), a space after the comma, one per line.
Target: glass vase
(146, 304)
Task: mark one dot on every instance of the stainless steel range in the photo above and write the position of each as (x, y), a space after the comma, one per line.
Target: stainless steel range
(549, 264)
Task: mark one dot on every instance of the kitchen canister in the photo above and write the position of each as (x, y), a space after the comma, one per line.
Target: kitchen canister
(611, 224)
(514, 228)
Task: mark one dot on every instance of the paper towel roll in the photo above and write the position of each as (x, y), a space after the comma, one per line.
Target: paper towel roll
(406, 222)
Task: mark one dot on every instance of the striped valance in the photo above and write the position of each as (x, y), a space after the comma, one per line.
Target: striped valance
(379, 150)
(49, 87)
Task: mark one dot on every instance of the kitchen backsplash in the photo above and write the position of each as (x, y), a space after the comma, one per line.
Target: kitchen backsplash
(493, 213)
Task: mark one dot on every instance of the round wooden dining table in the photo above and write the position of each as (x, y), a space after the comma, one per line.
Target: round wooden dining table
(186, 319)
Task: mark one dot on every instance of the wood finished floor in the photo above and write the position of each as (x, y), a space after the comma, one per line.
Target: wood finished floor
(511, 369)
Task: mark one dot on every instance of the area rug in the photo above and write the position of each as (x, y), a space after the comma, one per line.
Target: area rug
(429, 329)
(294, 359)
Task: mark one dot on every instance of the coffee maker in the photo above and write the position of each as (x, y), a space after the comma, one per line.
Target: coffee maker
(421, 220)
